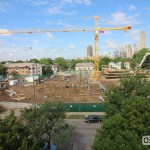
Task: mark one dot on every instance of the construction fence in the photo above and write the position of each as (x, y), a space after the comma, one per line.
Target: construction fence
(85, 107)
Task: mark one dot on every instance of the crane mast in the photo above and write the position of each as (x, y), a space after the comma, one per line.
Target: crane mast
(96, 29)
(96, 51)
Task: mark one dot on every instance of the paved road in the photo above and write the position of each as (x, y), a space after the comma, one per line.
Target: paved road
(83, 136)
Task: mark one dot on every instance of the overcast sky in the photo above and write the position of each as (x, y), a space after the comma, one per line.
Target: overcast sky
(59, 14)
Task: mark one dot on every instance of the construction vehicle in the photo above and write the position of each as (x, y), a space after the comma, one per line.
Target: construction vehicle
(96, 29)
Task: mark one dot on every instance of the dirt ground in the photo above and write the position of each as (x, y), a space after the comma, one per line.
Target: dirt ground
(57, 88)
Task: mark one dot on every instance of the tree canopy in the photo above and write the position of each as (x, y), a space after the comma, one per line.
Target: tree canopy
(36, 128)
(46, 61)
(137, 57)
(62, 63)
(34, 60)
(104, 61)
(3, 70)
(128, 116)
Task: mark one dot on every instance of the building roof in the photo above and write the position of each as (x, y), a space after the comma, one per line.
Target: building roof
(12, 65)
(84, 65)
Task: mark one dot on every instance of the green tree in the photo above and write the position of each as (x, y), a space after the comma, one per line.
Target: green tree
(19, 61)
(128, 116)
(11, 132)
(3, 70)
(46, 123)
(104, 61)
(73, 63)
(15, 136)
(33, 60)
(62, 63)
(137, 57)
(48, 70)
(46, 61)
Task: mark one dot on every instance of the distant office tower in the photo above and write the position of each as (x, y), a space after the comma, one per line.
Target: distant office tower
(135, 49)
(128, 49)
(116, 53)
(142, 40)
(89, 51)
(122, 52)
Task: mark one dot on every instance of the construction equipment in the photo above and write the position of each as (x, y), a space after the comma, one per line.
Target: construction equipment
(96, 29)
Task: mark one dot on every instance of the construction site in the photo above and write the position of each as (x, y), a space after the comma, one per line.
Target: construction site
(57, 88)
(66, 88)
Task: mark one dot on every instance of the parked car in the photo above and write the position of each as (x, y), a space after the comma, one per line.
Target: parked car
(92, 119)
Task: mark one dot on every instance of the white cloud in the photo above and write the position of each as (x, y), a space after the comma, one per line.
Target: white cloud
(60, 8)
(122, 18)
(111, 44)
(38, 2)
(1, 41)
(85, 2)
(4, 32)
(10, 54)
(4, 7)
(14, 51)
(71, 46)
(132, 7)
(70, 13)
(107, 32)
(49, 35)
(35, 41)
(1, 52)
(13, 45)
(135, 34)
(54, 10)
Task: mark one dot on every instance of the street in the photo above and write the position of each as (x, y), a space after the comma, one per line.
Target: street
(83, 135)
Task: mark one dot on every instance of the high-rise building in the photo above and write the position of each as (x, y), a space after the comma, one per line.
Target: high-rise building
(89, 51)
(142, 40)
(122, 52)
(116, 53)
(135, 49)
(128, 49)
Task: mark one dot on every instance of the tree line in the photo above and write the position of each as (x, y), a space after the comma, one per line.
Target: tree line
(69, 64)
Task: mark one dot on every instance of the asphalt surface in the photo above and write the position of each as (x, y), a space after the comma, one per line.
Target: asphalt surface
(83, 136)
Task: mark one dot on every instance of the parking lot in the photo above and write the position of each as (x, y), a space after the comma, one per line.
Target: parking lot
(83, 136)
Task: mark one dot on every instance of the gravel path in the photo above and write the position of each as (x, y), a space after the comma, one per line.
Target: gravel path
(14, 105)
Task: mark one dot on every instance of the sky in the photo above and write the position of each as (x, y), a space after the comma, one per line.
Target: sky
(59, 14)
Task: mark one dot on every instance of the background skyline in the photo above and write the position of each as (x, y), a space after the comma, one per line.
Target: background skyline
(58, 14)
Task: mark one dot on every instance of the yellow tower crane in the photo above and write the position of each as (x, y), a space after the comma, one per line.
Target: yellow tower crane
(96, 29)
